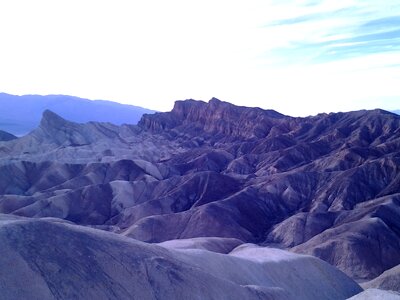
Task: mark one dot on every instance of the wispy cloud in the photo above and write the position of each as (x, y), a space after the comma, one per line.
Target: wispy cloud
(344, 48)
(311, 17)
(382, 23)
(332, 32)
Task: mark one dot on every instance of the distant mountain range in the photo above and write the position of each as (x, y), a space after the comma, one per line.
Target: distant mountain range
(205, 177)
(397, 111)
(21, 114)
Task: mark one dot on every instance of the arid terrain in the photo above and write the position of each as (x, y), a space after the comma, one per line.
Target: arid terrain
(215, 189)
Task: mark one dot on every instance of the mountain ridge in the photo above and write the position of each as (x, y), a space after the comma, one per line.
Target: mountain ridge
(321, 185)
(21, 114)
(214, 117)
(5, 136)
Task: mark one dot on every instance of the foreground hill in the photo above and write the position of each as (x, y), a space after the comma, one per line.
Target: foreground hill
(376, 294)
(327, 185)
(50, 259)
(388, 280)
(21, 114)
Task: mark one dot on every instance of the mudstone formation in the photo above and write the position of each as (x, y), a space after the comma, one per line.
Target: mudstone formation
(202, 182)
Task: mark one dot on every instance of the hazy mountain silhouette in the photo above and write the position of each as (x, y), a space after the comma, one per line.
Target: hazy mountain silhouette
(5, 136)
(21, 114)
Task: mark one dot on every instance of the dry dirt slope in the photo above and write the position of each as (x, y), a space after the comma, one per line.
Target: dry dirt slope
(51, 259)
(327, 185)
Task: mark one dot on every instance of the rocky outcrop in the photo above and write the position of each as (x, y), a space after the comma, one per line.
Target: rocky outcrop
(215, 117)
(388, 280)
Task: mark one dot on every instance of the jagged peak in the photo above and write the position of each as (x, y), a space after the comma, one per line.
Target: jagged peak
(50, 118)
(51, 115)
(215, 116)
(193, 104)
(215, 100)
(63, 132)
(187, 102)
(215, 103)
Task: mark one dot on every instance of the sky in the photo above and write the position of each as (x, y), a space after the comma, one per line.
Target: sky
(297, 57)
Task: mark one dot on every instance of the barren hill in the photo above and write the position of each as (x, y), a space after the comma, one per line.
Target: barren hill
(326, 185)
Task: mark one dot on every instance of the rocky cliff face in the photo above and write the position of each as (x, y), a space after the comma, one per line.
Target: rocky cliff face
(326, 185)
(215, 117)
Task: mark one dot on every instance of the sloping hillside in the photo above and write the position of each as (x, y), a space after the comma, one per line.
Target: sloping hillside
(50, 259)
(327, 185)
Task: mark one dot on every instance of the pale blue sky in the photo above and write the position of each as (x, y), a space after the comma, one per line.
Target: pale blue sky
(298, 57)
